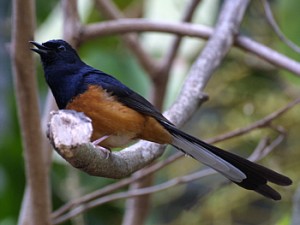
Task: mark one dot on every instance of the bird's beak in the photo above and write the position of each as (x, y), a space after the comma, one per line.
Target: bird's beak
(41, 49)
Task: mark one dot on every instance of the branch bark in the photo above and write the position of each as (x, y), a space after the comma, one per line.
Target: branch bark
(70, 133)
(271, 20)
(72, 26)
(258, 124)
(141, 25)
(36, 203)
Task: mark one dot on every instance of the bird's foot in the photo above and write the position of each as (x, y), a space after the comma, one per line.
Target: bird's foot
(96, 143)
(106, 151)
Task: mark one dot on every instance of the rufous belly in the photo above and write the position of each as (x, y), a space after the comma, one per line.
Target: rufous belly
(113, 119)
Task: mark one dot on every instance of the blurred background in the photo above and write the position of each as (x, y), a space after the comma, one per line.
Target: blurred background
(244, 89)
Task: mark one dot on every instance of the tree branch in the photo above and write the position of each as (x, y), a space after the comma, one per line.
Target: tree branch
(210, 58)
(257, 154)
(112, 187)
(72, 25)
(70, 134)
(36, 202)
(131, 40)
(275, 27)
(258, 124)
(171, 54)
(132, 193)
(186, 29)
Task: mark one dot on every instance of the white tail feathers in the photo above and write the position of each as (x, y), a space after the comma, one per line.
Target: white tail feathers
(208, 158)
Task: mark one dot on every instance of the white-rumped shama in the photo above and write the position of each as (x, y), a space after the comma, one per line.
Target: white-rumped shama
(120, 115)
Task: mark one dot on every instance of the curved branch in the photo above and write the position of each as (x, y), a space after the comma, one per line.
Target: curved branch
(186, 29)
(278, 32)
(132, 193)
(258, 124)
(110, 10)
(70, 132)
(210, 58)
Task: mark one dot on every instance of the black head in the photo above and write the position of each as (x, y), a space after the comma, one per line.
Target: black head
(56, 51)
(62, 67)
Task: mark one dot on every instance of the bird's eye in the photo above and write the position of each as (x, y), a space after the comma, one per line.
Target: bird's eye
(61, 48)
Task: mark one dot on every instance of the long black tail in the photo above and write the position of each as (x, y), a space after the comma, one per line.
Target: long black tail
(241, 171)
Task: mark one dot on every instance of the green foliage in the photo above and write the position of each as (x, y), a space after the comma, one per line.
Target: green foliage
(286, 14)
(43, 9)
(105, 54)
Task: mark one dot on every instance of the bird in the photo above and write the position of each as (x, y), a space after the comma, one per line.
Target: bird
(120, 115)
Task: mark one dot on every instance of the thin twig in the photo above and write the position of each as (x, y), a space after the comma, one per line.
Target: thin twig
(268, 54)
(258, 124)
(110, 10)
(260, 152)
(112, 187)
(263, 143)
(72, 25)
(134, 193)
(171, 53)
(276, 28)
(115, 186)
(156, 188)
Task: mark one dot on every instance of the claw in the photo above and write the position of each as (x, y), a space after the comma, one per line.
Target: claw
(106, 151)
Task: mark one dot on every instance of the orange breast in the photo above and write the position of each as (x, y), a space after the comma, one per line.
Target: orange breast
(121, 123)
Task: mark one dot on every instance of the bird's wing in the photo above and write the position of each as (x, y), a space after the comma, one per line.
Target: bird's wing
(123, 94)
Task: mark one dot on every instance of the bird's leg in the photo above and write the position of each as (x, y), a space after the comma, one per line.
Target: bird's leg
(96, 142)
(107, 151)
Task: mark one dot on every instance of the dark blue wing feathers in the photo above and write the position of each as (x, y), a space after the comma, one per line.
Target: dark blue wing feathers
(123, 94)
